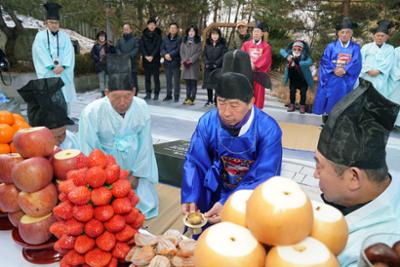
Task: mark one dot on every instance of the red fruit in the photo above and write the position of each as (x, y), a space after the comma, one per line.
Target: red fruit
(97, 258)
(74, 258)
(120, 250)
(96, 177)
(58, 229)
(125, 234)
(63, 263)
(103, 213)
(121, 188)
(66, 186)
(66, 242)
(122, 205)
(131, 216)
(123, 174)
(112, 173)
(62, 197)
(139, 221)
(83, 244)
(111, 160)
(94, 228)
(78, 176)
(101, 196)
(74, 227)
(80, 195)
(63, 210)
(83, 213)
(133, 198)
(115, 224)
(57, 248)
(106, 241)
(97, 158)
(113, 263)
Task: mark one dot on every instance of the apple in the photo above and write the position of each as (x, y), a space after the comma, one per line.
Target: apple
(234, 209)
(8, 198)
(307, 253)
(55, 151)
(38, 203)
(382, 253)
(34, 142)
(396, 247)
(7, 162)
(279, 212)
(35, 230)
(329, 227)
(32, 174)
(15, 217)
(228, 244)
(66, 160)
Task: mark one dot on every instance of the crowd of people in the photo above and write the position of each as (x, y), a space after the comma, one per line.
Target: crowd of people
(235, 146)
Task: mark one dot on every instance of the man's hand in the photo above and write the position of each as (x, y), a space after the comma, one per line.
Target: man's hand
(58, 70)
(374, 73)
(149, 58)
(188, 208)
(289, 58)
(252, 66)
(214, 214)
(168, 57)
(134, 181)
(339, 71)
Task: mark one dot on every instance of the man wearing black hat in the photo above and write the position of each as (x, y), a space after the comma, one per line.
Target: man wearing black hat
(351, 167)
(234, 147)
(119, 124)
(339, 69)
(378, 58)
(47, 107)
(150, 46)
(53, 53)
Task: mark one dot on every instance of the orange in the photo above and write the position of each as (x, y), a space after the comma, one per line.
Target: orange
(12, 148)
(18, 117)
(6, 117)
(6, 133)
(20, 125)
(4, 149)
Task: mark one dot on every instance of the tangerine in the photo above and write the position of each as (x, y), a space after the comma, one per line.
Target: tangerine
(18, 125)
(6, 133)
(6, 117)
(12, 148)
(4, 149)
(18, 117)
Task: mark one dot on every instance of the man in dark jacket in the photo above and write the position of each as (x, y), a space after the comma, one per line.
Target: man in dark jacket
(170, 51)
(128, 44)
(99, 53)
(150, 47)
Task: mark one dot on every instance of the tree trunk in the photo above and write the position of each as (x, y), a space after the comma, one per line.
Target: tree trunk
(11, 34)
(346, 7)
(216, 7)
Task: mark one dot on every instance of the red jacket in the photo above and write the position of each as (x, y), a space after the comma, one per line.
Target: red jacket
(260, 55)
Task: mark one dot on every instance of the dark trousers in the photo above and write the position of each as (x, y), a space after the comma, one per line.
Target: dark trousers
(210, 96)
(135, 82)
(293, 86)
(173, 76)
(155, 72)
(191, 89)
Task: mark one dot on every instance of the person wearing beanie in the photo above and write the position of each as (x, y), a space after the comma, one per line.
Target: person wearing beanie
(235, 146)
(297, 72)
(99, 52)
(378, 58)
(120, 124)
(260, 53)
(352, 171)
(53, 54)
(339, 69)
(47, 107)
(150, 47)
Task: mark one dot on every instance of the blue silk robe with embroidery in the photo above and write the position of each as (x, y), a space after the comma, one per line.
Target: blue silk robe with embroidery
(128, 139)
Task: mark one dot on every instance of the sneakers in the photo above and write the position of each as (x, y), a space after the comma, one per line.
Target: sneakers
(167, 98)
(187, 101)
(291, 108)
(302, 109)
(208, 104)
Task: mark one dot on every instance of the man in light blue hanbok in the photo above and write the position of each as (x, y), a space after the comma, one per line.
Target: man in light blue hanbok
(377, 58)
(53, 53)
(394, 82)
(352, 170)
(119, 124)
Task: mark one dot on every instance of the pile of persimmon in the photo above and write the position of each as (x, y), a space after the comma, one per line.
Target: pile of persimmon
(10, 123)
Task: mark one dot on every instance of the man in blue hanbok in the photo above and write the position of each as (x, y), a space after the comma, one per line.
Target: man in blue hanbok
(339, 69)
(47, 107)
(352, 171)
(119, 124)
(394, 82)
(234, 147)
(378, 58)
(53, 53)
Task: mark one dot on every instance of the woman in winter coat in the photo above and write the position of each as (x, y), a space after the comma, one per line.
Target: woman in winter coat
(213, 55)
(190, 54)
